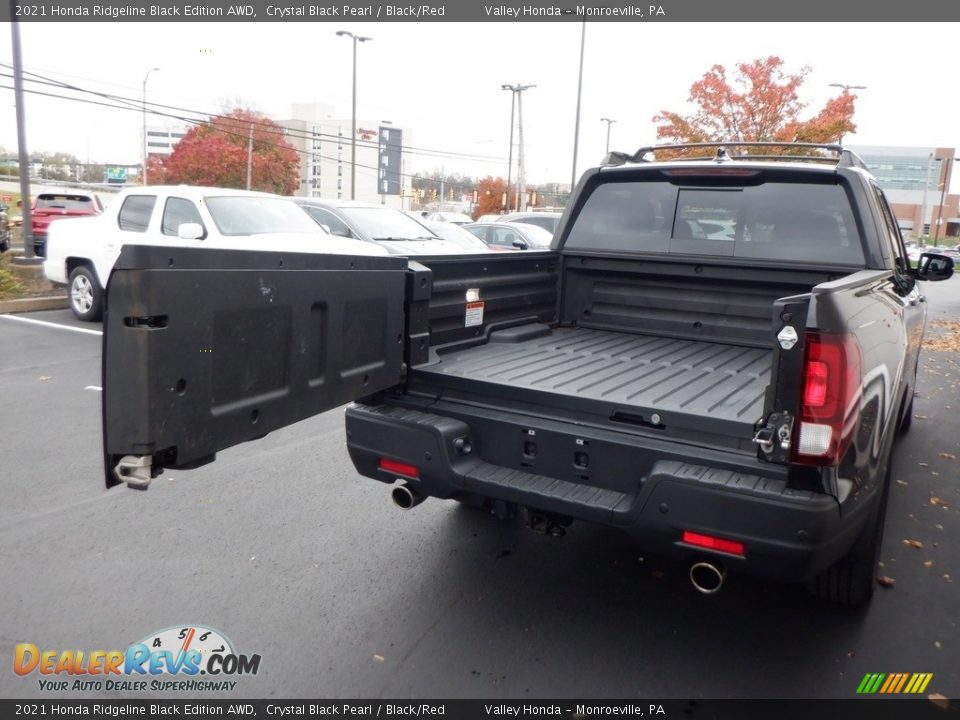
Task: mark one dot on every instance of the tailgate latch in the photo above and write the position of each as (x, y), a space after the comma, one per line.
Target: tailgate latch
(775, 437)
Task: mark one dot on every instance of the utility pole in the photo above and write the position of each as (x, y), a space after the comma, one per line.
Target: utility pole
(923, 204)
(513, 105)
(23, 158)
(517, 90)
(249, 156)
(576, 126)
(943, 192)
(146, 152)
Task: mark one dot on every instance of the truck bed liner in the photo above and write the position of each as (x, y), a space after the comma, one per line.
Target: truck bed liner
(614, 372)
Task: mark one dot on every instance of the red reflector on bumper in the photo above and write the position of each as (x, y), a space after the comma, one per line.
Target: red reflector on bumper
(713, 543)
(399, 468)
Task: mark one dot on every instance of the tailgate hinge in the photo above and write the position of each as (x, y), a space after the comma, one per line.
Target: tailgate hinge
(135, 470)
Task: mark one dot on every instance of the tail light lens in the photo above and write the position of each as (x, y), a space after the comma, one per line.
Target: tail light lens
(831, 398)
(398, 468)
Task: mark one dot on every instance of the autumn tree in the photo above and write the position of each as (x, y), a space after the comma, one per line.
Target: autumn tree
(489, 196)
(759, 102)
(215, 154)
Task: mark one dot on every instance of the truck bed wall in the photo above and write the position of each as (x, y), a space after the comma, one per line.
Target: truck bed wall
(689, 301)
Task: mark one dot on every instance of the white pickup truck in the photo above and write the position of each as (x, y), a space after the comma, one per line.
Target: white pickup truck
(82, 252)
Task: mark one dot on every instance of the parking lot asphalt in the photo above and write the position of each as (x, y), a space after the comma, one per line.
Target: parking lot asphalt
(286, 550)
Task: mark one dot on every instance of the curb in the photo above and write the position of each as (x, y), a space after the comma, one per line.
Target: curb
(57, 302)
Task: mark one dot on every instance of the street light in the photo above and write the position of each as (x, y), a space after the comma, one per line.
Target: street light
(609, 122)
(353, 131)
(145, 78)
(846, 89)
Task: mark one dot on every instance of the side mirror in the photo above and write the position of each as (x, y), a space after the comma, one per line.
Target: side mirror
(932, 266)
(190, 231)
(520, 244)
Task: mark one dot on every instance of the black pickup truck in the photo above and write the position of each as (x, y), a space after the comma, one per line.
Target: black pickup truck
(716, 356)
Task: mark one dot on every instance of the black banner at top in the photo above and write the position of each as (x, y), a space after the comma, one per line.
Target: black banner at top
(280, 11)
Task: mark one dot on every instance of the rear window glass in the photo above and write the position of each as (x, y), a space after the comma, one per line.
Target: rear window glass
(774, 220)
(67, 202)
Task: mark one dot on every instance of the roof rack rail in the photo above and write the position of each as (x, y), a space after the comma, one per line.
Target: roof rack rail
(844, 156)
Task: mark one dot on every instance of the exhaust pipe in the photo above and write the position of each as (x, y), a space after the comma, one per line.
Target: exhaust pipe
(405, 497)
(707, 577)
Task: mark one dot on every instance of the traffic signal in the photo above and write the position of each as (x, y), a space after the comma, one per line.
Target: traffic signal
(434, 195)
(403, 191)
(476, 197)
(532, 198)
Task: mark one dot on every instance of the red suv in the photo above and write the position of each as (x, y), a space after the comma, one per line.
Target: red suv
(50, 206)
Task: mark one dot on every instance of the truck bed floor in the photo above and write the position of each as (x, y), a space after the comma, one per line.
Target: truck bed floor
(621, 371)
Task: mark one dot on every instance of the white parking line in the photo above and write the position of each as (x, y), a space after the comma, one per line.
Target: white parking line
(50, 324)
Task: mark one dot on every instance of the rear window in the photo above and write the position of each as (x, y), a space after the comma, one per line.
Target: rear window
(67, 202)
(802, 222)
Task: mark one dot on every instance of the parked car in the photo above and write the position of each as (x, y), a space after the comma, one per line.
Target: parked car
(546, 219)
(459, 235)
(457, 218)
(53, 205)
(512, 235)
(82, 252)
(489, 217)
(397, 231)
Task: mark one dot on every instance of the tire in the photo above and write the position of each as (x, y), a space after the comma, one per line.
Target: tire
(852, 580)
(85, 294)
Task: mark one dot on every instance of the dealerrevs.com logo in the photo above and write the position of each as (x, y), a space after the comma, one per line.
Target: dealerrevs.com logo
(187, 658)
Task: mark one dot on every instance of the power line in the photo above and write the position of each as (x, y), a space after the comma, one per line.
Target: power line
(200, 122)
(294, 132)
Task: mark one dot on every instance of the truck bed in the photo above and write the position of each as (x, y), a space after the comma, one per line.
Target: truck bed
(624, 377)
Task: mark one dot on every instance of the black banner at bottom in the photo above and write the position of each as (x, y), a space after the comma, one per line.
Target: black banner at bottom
(853, 709)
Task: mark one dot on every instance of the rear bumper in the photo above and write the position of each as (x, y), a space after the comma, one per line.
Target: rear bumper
(788, 534)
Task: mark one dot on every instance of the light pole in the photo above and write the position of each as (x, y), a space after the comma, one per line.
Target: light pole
(609, 122)
(353, 128)
(846, 90)
(517, 91)
(145, 78)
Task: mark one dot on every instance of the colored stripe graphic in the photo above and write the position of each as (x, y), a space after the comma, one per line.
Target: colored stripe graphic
(894, 683)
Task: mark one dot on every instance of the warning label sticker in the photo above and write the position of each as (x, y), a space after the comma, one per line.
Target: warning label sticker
(474, 314)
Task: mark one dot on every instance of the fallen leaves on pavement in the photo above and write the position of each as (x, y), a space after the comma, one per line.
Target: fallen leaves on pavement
(886, 581)
(946, 341)
(913, 543)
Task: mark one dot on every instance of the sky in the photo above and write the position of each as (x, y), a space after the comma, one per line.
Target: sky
(443, 81)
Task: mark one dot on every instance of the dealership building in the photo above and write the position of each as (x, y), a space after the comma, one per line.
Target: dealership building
(916, 181)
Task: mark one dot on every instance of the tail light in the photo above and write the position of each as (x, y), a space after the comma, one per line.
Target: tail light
(831, 398)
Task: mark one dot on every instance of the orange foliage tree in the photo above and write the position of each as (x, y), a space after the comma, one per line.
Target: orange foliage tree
(758, 103)
(489, 196)
(215, 154)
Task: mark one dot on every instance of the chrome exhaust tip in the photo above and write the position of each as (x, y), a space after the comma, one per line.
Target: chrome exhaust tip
(707, 577)
(405, 497)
